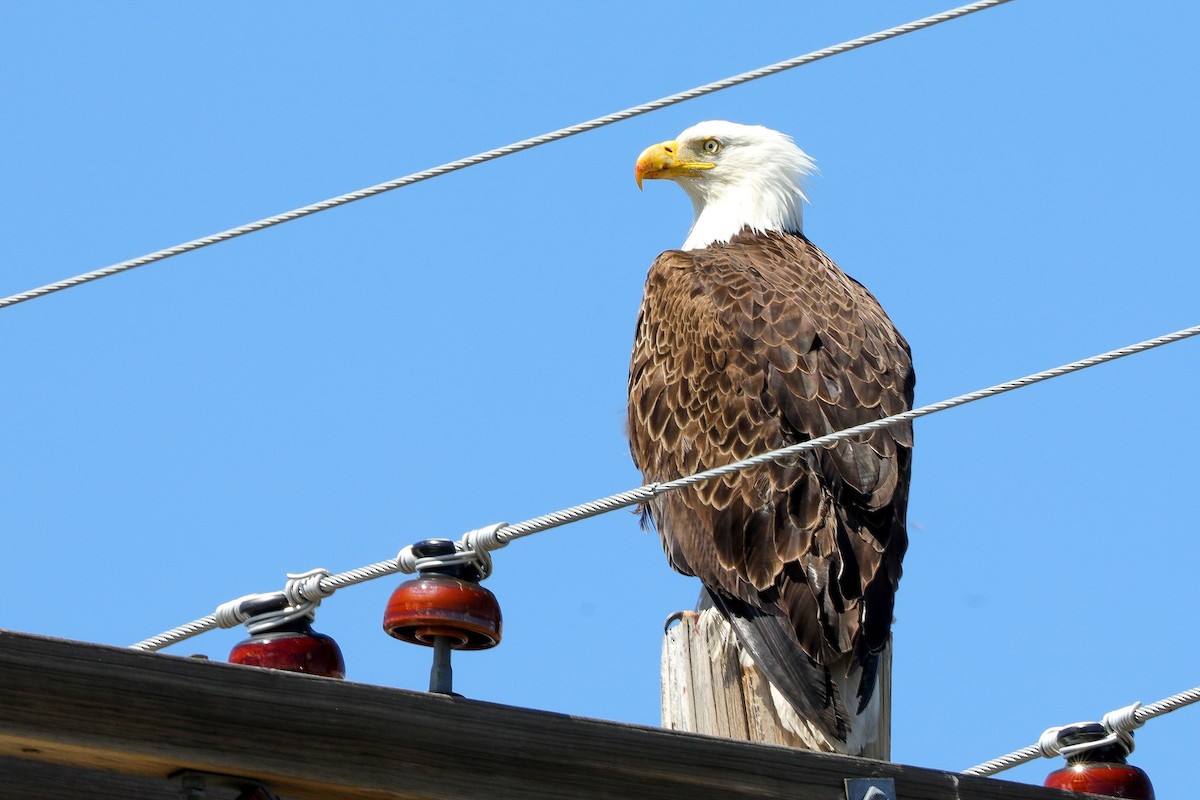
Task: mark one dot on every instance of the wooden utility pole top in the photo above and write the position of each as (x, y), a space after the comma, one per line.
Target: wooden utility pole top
(708, 687)
(89, 721)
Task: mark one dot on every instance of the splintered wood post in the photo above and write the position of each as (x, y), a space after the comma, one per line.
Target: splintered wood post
(708, 687)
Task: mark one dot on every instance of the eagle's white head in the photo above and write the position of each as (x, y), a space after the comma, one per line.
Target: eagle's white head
(738, 176)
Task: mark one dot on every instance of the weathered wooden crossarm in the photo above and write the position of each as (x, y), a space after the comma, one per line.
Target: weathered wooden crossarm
(88, 721)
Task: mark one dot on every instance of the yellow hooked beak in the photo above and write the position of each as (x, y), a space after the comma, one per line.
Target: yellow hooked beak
(662, 161)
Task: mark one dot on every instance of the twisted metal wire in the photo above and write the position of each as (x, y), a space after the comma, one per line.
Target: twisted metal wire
(1121, 721)
(498, 152)
(186, 631)
(1167, 705)
(501, 534)
(226, 618)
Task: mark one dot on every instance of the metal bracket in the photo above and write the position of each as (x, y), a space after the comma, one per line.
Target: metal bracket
(196, 784)
(870, 789)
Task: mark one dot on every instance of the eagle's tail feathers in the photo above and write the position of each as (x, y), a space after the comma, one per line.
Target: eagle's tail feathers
(808, 686)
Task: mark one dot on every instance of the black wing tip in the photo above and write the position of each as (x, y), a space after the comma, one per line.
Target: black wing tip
(866, 681)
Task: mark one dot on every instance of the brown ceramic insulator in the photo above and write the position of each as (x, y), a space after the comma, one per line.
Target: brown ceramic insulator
(1114, 780)
(1099, 768)
(302, 650)
(433, 605)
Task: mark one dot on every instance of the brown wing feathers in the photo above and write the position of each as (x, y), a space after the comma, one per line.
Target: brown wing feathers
(749, 346)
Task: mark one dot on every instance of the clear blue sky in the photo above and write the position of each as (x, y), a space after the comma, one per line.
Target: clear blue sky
(1018, 188)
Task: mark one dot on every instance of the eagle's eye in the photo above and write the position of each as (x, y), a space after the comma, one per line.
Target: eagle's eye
(711, 146)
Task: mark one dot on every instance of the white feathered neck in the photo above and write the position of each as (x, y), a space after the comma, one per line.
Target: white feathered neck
(757, 182)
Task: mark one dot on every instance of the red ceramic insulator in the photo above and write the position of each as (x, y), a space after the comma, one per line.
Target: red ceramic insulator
(1114, 780)
(1100, 767)
(296, 649)
(436, 605)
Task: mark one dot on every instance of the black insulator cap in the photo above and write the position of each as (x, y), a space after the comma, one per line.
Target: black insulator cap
(262, 605)
(428, 548)
(434, 548)
(1111, 752)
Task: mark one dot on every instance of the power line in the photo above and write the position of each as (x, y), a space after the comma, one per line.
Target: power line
(516, 147)
(1118, 723)
(311, 588)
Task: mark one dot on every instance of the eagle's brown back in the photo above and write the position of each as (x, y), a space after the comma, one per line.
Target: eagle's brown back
(752, 345)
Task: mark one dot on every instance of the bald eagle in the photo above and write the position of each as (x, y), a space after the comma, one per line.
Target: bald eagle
(750, 338)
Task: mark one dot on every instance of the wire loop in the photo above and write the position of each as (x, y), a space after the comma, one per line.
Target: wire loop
(1048, 744)
(1123, 720)
(306, 587)
(230, 614)
(301, 596)
(480, 543)
(473, 548)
